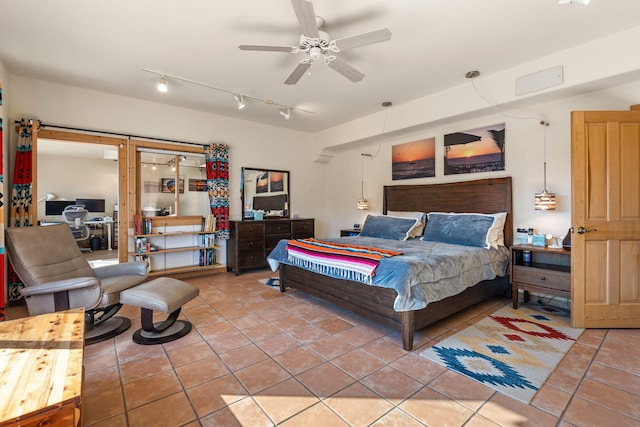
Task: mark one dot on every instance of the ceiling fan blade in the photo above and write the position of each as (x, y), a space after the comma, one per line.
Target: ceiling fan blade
(306, 17)
(364, 39)
(266, 48)
(346, 70)
(297, 73)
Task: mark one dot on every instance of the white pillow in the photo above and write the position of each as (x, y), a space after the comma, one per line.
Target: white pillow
(417, 229)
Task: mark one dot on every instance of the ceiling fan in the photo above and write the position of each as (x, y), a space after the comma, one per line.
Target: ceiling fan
(316, 44)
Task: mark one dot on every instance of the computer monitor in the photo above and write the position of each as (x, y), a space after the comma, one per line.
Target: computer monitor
(92, 205)
(55, 207)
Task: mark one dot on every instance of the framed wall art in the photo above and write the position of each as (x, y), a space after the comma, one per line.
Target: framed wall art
(416, 159)
(475, 150)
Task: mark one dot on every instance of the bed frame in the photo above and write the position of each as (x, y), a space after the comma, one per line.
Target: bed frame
(375, 303)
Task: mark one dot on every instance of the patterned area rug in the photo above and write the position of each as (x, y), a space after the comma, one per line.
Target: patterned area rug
(273, 282)
(511, 351)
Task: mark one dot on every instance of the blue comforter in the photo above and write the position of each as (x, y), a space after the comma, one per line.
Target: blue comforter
(425, 272)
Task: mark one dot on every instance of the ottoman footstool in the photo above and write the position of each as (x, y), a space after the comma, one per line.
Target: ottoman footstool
(162, 294)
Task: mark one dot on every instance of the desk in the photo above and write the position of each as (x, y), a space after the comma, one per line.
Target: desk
(41, 369)
(109, 224)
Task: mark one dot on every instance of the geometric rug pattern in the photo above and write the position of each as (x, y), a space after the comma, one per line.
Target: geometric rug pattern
(273, 282)
(511, 351)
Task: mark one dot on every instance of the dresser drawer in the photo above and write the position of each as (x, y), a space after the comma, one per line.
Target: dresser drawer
(274, 228)
(558, 280)
(251, 258)
(302, 229)
(247, 244)
(249, 230)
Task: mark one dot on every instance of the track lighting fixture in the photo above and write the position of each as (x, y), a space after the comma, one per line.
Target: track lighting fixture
(162, 85)
(240, 101)
(238, 97)
(286, 113)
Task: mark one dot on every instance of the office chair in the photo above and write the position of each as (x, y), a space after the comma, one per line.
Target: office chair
(58, 277)
(75, 216)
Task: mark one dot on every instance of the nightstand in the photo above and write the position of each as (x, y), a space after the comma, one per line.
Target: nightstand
(540, 269)
(349, 232)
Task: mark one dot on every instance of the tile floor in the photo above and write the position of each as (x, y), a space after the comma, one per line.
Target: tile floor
(257, 357)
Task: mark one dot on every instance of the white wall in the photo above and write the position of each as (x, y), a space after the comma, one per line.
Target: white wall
(328, 192)
(71, 178)
(524, 161)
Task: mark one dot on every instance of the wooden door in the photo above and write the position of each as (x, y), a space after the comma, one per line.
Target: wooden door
(605, 252)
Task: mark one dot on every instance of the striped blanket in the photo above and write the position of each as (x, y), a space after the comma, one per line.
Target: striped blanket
(349, 262)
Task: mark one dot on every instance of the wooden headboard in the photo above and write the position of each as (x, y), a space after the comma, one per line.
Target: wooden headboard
(481, 196)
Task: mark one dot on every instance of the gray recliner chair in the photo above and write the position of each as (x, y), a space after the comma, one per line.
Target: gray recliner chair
(58, 277)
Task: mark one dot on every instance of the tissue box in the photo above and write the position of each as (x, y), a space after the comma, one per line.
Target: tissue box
(258, 215)
(539, 240)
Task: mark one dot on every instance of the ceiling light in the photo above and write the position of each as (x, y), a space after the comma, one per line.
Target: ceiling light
(240, 101)
(362, 204)
(162, 85)
(565, 2)
(286, 113)
(545, 201)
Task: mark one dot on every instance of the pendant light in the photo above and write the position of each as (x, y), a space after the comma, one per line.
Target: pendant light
(545, 201)
(362, 203)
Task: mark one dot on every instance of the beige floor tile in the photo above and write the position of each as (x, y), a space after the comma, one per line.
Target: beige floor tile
(612, 398)
(330, 347)
(242, 413)
(262, 375)
(242, 357)
(298, 360)
(583, 413)
(325, 380)
(143, 368)
(551, 400)
(148, 389)
(317, 416)
(102, 405)
(435, 409)
(173, 410)
(397, 418)
(464, 390)
(334, 325)
(216, 394)
(384, 349)
(392, 384)
(357, 363)
(284, 400)
(506, 411)
(201, 371)
(419, 368)
(189, 353)
(358, 405)
(277, 344)
(615, 378)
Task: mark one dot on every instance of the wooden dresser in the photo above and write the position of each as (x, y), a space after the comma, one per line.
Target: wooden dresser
(251, 241)
(41, 376)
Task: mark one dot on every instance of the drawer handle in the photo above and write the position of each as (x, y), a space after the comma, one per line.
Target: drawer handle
(543, 278)
(250, 243)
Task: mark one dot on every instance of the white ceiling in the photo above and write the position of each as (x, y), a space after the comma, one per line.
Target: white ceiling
(104, 45)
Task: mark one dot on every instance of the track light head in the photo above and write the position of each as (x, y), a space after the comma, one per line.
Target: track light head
(162, 85)
(240, 101)
(286, 113)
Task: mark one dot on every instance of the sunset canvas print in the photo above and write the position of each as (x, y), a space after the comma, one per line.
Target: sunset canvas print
(416, 159)
(477, 150)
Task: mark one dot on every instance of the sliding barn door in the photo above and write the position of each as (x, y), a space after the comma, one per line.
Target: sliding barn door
(605, 252)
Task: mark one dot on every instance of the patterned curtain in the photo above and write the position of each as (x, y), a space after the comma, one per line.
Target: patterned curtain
(2, 277)
(217, 156)
(21, 194)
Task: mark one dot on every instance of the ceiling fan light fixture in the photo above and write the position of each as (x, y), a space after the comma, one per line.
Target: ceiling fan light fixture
(240, 101)
(162, 84)
(286, 113)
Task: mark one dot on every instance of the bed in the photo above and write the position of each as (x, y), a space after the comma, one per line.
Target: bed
(486, 196)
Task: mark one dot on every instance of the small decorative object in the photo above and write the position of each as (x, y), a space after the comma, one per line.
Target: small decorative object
(566, 242)
(526, 256)
(530, 237)
(258, 215)
(539, 240)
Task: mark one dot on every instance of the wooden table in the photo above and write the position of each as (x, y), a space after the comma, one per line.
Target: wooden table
(41, 369)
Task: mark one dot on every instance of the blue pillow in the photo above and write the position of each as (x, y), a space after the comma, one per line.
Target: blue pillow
(459, 229)
(387, 227)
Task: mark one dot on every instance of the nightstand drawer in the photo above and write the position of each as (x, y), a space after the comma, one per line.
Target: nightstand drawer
(558, 280)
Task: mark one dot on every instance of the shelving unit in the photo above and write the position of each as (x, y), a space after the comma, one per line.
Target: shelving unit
(175, 247)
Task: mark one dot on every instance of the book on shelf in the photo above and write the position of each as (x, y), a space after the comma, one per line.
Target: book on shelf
(209, 225)
(142, 225)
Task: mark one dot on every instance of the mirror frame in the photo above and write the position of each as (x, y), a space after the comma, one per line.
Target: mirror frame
(287, 186)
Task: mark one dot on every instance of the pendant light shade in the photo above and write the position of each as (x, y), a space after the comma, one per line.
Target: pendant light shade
(362, 203)
(545, 201)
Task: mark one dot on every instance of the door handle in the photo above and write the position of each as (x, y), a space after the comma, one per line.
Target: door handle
(582, 230)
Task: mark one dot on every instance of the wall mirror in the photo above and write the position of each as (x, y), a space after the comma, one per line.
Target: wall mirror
(267, 191)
